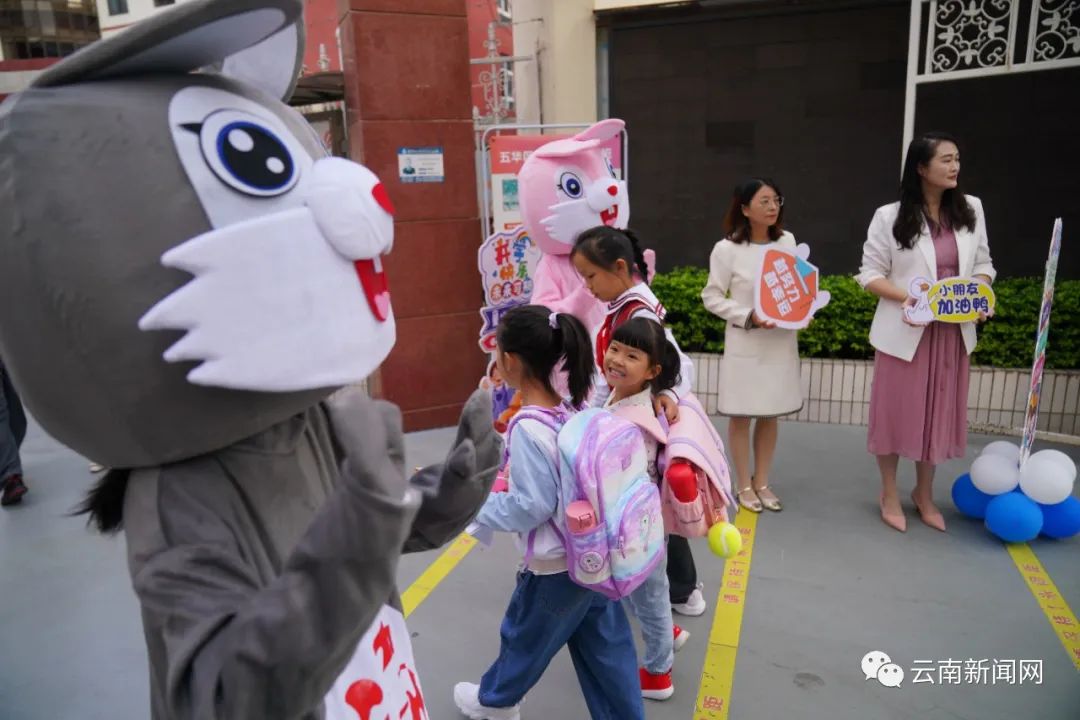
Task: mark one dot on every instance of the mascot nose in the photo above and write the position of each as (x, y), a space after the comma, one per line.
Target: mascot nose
(351, 208)
(613, 190)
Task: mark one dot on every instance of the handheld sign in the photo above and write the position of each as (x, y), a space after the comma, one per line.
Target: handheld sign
(507, 261)
(787, 291)
(951, 300)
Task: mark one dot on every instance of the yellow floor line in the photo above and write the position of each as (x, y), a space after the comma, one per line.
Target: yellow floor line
(436, 573)
(1057, 611)
(718, 673)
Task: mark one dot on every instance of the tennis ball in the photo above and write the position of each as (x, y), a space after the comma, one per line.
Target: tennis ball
(725, 540)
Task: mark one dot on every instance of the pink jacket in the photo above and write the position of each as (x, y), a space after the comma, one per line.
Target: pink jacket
(693, 439)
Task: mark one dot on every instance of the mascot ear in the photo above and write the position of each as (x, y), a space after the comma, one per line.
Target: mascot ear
(272, 65)
(258, 42)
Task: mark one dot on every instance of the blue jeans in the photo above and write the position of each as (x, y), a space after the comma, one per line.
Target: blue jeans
(547, 612)
(651, 604)
(12, 427)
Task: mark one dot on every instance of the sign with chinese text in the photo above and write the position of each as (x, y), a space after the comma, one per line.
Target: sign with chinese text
(951, 300)
(421, 165)
(787, 291)
(508, 153)
(507, 261)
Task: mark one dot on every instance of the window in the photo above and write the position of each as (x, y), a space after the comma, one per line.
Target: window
(118, 7)
(503, 8)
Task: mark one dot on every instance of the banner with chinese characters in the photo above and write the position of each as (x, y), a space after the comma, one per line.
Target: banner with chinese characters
(507, 261)
(508, 153)
(1031, 417)
(951, 300)
(787, 291)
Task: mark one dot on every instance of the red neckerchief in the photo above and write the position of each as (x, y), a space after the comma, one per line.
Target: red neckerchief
(619, 311)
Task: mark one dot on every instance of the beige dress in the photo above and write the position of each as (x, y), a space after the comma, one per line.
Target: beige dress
(759, 376)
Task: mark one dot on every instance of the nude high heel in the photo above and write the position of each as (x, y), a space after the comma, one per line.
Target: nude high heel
(930, 518)
(896, 521)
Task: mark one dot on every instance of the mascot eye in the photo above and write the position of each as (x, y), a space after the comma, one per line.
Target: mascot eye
(570, 184)
(610, 167)
(247, 155)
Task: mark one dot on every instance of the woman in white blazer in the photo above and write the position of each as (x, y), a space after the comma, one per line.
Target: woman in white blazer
(759, 378)
(918, 400)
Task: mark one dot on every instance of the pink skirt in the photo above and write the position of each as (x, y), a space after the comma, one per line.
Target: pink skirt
(918, 409)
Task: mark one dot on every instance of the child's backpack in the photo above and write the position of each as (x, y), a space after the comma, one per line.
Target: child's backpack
(694, 440)
(602, 463)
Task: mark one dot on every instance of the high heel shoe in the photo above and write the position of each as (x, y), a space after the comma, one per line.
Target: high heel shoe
(896, 521)
(933, 518)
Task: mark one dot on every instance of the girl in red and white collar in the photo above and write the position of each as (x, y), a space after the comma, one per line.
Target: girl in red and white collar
(613, 266)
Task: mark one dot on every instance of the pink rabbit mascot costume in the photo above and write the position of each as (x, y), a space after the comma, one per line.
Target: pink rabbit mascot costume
(566, 187)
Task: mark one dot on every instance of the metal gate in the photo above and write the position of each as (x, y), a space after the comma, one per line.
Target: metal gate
(959, 39)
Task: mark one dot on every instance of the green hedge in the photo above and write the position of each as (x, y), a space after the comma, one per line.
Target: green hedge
(840, 329)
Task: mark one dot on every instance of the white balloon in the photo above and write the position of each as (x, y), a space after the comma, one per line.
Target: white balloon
(1060, 458)
(1004, 448)
(994, 474)
(1046, 480)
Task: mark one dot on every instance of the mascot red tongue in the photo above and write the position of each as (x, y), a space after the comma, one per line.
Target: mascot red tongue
(186, 280)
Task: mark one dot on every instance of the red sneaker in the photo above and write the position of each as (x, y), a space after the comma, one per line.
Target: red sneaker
(656, 687)
(681, 636)
(14, 489)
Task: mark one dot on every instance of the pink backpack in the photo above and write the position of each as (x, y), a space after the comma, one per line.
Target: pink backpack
(602, 463)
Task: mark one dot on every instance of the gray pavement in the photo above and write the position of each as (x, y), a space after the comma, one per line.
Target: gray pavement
(829, 582)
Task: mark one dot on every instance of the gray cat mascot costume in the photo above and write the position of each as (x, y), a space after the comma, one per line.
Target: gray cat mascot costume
(185, 279)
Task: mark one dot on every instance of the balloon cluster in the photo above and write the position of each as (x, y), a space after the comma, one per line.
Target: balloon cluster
(1019, 503)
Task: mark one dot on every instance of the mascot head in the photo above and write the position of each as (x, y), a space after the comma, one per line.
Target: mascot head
(181, 266)
(568, 186)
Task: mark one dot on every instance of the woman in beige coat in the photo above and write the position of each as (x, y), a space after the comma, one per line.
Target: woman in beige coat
(759, 377)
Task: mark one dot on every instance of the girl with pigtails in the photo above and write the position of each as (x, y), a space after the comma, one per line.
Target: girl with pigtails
(548, 610)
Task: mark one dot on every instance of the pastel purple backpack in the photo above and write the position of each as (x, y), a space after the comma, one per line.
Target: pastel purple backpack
(613, 527)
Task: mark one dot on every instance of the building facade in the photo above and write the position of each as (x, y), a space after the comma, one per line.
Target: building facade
(814, 94)
(35, 34)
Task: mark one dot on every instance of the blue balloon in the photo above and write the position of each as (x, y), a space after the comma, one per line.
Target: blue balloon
(1014, 517)
(1062, 520)
(970, 500)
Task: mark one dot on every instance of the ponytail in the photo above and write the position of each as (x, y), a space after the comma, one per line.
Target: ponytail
(604, 246)
(541, 339)
(104, 503)
(577, 356)
(639, 254)
(670, 367)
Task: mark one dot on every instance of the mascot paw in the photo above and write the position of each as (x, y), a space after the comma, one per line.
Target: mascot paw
(371, 437)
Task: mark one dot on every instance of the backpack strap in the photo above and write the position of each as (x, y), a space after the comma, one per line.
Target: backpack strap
(553, 418)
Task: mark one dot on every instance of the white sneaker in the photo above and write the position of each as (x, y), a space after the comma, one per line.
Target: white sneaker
(467, 698)
(695, 604)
